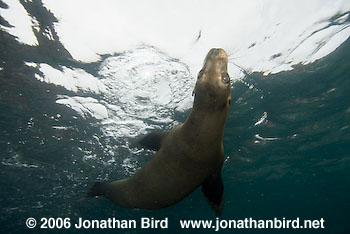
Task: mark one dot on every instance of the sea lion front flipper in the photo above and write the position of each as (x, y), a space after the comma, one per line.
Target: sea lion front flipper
(151, 141)
(213, 190)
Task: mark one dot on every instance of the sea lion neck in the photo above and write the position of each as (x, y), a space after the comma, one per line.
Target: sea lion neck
(212, 96)
(202, 122)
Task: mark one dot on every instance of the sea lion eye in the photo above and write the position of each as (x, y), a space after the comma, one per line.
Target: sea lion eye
(225, 78)
(200, 73)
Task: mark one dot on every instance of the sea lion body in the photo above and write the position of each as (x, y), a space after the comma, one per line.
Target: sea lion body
(188, 156)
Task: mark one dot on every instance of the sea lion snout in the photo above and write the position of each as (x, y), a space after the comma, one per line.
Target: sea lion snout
(216, 62)
(217, 53)
(215, 66)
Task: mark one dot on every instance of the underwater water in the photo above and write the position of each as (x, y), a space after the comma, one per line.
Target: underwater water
(65, 123)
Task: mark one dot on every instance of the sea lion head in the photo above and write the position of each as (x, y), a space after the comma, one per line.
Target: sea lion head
(213, 88)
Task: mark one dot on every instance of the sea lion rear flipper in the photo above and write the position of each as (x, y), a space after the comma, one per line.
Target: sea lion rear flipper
(151, 141)
(213, 190)
(95, 190)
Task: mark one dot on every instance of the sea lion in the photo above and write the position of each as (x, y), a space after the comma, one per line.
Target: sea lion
(188, 156)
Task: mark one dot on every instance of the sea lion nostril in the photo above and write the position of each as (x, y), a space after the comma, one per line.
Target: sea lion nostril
(216, 51)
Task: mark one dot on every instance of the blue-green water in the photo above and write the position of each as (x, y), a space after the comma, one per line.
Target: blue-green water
(295, 163)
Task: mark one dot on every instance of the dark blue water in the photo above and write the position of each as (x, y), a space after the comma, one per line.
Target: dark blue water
(295, 163)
